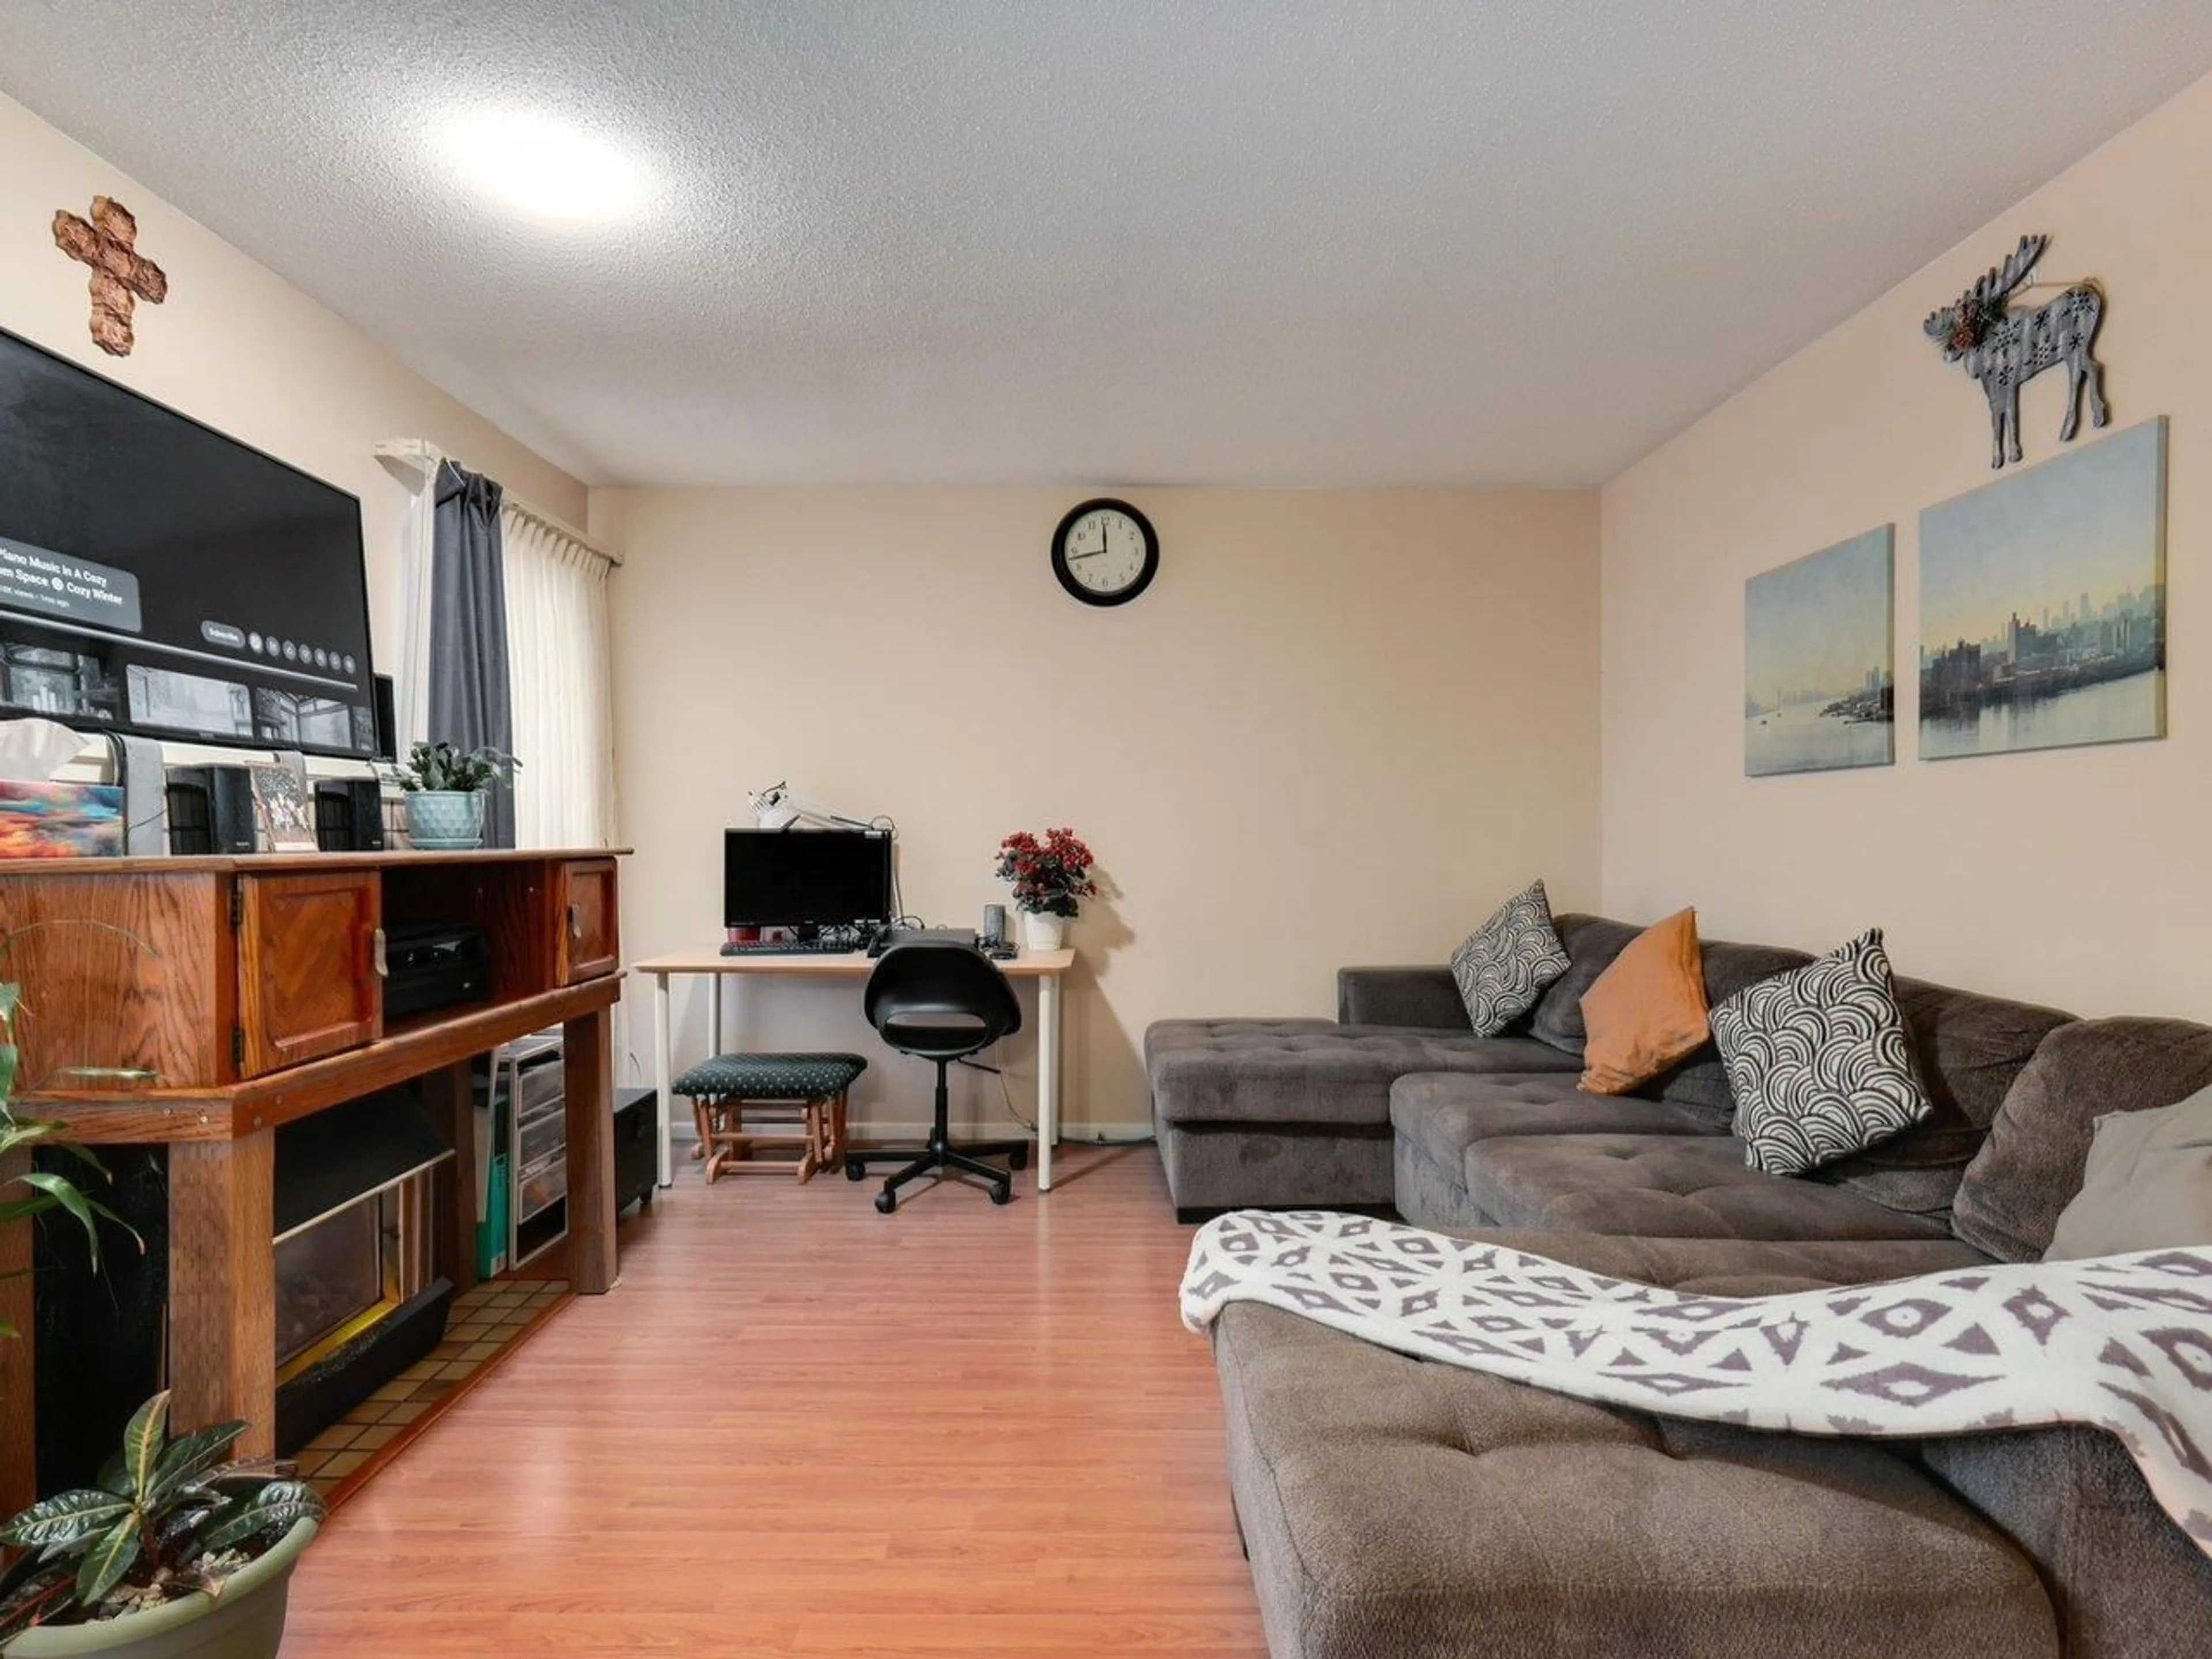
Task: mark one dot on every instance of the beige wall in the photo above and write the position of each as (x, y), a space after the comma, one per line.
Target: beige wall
(2077, 877)
(1339, 728)
(236, 346)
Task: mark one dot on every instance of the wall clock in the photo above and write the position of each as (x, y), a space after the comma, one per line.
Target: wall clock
(1105, 552)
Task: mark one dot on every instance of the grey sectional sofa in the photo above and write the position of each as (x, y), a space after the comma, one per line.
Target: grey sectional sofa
(1398, 1510)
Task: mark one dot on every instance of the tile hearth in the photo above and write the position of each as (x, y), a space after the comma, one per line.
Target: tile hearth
(487, 1322)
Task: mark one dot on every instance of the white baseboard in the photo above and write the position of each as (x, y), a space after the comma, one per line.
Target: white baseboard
(1081, 1134)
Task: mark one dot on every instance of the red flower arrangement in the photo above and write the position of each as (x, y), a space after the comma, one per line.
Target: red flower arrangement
(1049, 875)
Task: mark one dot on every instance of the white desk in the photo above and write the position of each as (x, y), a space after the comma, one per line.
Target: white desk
(1047, 968)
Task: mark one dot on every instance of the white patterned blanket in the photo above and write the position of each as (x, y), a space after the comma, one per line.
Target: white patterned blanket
(2121, 1343)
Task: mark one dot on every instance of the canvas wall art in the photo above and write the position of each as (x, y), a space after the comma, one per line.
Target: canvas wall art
(2043, 605)
(1820, 661)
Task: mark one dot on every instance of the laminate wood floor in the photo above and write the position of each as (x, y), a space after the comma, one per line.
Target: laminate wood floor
(799, 1427)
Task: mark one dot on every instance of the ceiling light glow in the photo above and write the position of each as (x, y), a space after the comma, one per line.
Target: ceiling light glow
(547, 167)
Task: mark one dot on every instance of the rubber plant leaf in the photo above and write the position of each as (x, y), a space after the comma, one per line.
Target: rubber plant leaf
(65, 1518)
(282, 1506)
(189, 1457)
(144, 1436)
(114, 1553)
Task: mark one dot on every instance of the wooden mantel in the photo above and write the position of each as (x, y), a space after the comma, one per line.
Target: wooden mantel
(201, 1003)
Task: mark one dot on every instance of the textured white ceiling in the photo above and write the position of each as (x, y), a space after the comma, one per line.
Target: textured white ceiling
(1265, 241)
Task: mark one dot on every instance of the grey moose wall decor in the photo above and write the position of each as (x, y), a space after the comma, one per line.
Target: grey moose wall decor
(2004, 348)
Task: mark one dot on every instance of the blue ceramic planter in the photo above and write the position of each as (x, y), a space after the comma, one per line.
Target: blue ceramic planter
(446, 820)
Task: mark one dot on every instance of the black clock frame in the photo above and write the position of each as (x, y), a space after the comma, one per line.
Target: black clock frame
(1067, 580)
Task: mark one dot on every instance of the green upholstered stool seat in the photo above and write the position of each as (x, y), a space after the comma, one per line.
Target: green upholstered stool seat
(805, 1090)
(771, 1077)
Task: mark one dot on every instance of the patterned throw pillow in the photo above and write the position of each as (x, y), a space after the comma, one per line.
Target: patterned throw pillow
(1504, 965)
(1818, 1060)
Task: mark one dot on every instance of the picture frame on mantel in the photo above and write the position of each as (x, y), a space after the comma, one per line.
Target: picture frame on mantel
(1820, 660)
(287, 815)
(2043, 605)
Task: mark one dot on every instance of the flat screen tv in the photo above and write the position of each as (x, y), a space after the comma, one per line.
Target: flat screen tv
(158, 577)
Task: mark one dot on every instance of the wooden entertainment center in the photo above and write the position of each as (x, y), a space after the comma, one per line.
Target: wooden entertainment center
(204, 1003)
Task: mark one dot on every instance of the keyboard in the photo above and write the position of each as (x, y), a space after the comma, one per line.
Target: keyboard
(790, 947)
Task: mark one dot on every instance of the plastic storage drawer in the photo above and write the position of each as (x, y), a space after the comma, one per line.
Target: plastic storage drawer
(543, 1135)
(543, 1186)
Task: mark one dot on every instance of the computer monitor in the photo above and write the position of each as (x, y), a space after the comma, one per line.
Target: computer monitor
(805, 877)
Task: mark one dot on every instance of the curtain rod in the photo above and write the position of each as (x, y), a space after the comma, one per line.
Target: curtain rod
(423, 457)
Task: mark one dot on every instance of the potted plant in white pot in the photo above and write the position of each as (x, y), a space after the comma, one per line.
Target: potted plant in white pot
(446, 789)
(177, 1552)
(1050, 875)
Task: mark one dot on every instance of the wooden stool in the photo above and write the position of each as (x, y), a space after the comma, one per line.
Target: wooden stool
(802, 1096)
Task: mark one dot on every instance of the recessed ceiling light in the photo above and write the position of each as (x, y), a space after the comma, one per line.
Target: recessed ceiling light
(546, 166)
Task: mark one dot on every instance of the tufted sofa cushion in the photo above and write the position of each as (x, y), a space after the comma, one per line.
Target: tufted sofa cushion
(1395, 1510)
(1667, 1187)
(770, 1077)
(1445, 1113)
(1311, 1071)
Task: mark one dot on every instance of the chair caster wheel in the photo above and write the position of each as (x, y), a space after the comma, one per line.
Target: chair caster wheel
(886, 1202)
(1003, 1193)
(1019, 1159)
(855, 1170)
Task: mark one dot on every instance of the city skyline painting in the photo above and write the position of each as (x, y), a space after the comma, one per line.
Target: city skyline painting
(2043, 605)
(1819, 664)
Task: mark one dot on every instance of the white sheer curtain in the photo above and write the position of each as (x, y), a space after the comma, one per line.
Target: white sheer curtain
(559, 655)
(415, 465)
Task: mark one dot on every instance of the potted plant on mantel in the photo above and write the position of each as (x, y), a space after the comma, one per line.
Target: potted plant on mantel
(446, 789)
(177, 1552)
(1050, 876)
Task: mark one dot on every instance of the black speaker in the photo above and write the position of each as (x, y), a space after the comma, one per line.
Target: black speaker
(387, 721)
(349, 815)
(210, 809)
(637, 1147)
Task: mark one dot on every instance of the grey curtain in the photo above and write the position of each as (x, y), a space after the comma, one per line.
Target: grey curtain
(470, 705)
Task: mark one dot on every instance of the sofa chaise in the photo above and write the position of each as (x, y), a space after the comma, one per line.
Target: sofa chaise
(1392, 1507)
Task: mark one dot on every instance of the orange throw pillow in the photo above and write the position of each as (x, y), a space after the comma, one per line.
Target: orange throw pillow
(1647, 1010)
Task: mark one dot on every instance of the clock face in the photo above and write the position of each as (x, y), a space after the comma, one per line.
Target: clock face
(1105, 553)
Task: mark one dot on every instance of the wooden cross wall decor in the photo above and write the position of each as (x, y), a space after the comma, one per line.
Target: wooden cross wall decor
(121, 276)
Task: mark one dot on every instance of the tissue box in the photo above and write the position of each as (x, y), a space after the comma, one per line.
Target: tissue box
(61, 820)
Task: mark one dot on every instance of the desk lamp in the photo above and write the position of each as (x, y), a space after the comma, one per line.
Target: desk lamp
(776, 808)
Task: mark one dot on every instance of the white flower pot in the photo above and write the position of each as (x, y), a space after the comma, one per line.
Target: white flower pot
(1040, 931)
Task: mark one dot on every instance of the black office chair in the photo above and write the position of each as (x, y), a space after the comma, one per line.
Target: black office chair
(942, 1003)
